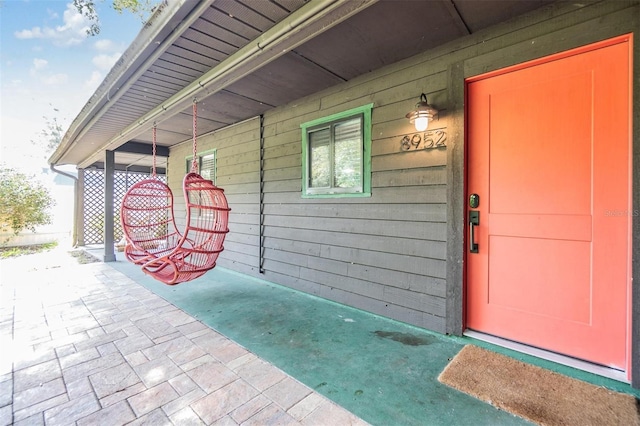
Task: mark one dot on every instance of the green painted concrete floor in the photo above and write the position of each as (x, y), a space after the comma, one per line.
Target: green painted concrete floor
(382, 370)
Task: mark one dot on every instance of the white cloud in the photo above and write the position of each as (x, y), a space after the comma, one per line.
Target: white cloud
(38, 70)
(73, 31)
(105, 46)
(39, 64)
(55, 79)
(105, 62)
(34, 32)
(52, 14)
(94, 81)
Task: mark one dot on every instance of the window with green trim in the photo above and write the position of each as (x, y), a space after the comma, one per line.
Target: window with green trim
(206, 165)
(337, 154)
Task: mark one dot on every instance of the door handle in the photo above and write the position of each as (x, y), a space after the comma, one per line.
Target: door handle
(474, 219)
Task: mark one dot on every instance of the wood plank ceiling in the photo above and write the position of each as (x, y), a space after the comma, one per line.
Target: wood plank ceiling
(383, 33)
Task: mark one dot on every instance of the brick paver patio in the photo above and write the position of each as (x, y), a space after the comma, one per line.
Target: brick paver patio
(84, 344)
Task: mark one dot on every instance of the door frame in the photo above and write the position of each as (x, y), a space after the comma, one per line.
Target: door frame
(496, 62)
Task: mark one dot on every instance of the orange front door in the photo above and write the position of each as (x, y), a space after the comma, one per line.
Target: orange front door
(549, 159)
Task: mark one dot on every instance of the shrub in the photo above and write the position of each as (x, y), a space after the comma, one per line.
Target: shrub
(24, 202)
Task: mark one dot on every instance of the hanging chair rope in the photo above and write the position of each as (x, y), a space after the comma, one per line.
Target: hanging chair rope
(153, 169)
(155, 242)
(194, 161)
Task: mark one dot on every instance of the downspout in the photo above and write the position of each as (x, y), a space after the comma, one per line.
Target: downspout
(74, 230)
(261, 254)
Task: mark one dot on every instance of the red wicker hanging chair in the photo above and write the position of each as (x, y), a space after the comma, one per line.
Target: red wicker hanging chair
(155, 242)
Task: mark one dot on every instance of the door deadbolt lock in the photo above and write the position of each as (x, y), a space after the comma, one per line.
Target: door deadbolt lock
(474, 201)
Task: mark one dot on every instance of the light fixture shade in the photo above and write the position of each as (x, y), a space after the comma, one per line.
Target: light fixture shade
(422, 115)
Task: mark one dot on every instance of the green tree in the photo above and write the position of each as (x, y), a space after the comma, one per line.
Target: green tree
(24, 202)
(87, 8)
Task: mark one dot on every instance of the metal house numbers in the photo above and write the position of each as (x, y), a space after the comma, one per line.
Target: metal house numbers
(430, 139)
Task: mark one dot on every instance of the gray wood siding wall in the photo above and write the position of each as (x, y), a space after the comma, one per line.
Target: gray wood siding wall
(400, 252)
(385, 254)
(237, 171)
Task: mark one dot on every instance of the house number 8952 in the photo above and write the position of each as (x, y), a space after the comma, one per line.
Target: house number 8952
(429, 140)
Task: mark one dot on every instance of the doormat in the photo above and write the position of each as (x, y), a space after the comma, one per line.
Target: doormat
(533, 393)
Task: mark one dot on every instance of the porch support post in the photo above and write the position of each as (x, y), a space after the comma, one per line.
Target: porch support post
(456, 206)
(79, 213)
(109, 168)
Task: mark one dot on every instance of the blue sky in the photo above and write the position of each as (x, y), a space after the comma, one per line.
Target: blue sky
(47, 61)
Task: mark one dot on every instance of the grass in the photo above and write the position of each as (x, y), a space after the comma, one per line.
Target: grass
(80, 255)
(8, 252)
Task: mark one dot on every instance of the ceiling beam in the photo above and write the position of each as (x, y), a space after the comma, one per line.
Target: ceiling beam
(143, 148)
(457, 18)
(312, 19)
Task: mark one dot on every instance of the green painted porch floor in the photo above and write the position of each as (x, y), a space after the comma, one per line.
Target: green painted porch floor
(381, 370)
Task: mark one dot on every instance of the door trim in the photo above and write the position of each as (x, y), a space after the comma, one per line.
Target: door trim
(557, 56)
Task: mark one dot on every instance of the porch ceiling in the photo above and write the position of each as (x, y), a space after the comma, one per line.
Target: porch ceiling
(239, 58)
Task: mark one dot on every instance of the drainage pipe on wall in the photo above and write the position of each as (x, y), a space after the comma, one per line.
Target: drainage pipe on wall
(261, 258)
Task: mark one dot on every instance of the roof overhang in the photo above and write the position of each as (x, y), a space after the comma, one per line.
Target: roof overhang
(239, 58)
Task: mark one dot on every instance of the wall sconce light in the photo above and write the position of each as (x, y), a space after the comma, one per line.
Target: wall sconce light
(422, 115)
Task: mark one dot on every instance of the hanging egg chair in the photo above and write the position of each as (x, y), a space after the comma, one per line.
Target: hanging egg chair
(156, 243)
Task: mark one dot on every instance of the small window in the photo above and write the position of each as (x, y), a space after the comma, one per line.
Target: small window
(337, 155)
(206, 165)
